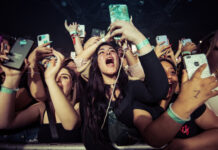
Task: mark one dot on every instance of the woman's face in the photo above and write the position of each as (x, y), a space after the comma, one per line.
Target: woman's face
(108, 60)
(64, 81)
(172, 77)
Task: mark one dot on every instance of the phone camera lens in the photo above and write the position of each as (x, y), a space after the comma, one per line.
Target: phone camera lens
(196, 63)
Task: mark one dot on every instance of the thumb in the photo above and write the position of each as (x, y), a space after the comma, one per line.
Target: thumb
(184, 76)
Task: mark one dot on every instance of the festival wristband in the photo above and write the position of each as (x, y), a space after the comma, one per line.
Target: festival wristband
(8, 90)
(74, 32)
(186, 53)
(142, 44)
(176, 117)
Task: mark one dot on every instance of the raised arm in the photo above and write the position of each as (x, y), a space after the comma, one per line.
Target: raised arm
(73, 31)
(156, 79)
(193, 94)
(34, 76)
(63, 108)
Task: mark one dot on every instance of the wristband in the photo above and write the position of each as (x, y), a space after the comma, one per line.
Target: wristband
(103, 39)
(176, 117)
(74, 32)
(186, 53)
(142, 44)
(8, 90)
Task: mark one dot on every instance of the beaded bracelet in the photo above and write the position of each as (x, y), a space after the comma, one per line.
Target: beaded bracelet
(8, 90)
(176, 117)
(142, 44)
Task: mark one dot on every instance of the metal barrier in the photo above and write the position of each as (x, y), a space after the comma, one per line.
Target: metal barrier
(74, 146)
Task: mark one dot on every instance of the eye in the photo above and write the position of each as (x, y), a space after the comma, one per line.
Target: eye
(173, 72)
(113, 50)
(100, 52)
(65, 77)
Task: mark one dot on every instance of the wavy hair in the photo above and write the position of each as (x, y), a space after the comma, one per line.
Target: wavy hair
(94, 107)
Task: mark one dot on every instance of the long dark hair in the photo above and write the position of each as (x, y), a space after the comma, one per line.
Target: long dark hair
(94, 107)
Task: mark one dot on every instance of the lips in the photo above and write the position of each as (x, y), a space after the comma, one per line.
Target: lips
(170, 88)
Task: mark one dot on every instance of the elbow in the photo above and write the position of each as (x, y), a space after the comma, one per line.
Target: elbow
(70, 125)
(155, 143)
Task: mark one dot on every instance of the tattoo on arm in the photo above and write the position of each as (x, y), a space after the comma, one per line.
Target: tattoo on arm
(197, 93)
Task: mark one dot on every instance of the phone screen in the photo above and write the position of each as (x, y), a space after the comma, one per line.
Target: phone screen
(81, 29)
(18, 53)
(185, 41)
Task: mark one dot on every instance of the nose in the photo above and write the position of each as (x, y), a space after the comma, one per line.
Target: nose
(108, 52)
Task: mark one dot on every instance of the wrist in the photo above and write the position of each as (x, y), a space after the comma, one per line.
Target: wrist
(11, 82)
(183, 110)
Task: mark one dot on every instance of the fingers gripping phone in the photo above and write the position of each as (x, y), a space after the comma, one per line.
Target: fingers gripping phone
(161, 39)
(192, 63)
(18, 53)
(43, 39)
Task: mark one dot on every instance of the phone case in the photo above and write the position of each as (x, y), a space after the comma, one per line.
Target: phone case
(193, 62)
(81, 29)
(162, 38)
(118, 12)
(184, 41)
(98, 32)
(43, 39)
(18, 53)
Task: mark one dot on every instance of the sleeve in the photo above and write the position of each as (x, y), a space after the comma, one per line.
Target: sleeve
(198, 112)
(155, 86)
(136, 71)
(83, 67)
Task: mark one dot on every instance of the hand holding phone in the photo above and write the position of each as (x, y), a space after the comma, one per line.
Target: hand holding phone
(81, 30)
(98, 32)
(18, 53)
(162, 39)
(43, 39)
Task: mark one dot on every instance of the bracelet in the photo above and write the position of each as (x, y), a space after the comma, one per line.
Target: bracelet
(8, 90)
(73, 32)
(176, 117)
(142, 44)
(186, 53)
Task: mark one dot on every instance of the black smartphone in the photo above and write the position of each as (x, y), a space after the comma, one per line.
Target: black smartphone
(18, 53)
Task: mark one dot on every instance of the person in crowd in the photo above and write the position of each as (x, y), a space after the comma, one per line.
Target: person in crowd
(196, 133)
(61, 82)
(114, 105)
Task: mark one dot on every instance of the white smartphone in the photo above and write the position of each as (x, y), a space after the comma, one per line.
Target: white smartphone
(43, 39)
(81, 30)
(193, 62)
(185, 41)
(162, 38)
(72, 55)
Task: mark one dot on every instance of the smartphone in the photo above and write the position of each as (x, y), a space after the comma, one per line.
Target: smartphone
(43, 39)
(72, 55)
(18, 53)
(192, 63)
(118, 12)
(81, 30)
(162, 38)
(185, 41)
(98, 32)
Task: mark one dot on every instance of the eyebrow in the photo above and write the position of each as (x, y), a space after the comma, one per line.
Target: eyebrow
(65, 74)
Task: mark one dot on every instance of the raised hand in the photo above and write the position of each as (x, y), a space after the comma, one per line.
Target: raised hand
(71, 27)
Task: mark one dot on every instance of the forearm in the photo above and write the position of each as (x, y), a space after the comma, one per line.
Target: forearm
(205, 140)
(156, 78)
(161, 131)
(131, 59)
(87, 53)
(63, 108)
(35, 84)
(77, 45)
(7, 102)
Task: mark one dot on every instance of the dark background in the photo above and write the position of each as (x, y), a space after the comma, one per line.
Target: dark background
(175, 18)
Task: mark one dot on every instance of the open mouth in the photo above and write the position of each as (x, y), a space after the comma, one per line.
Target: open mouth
(170, 88)
(110, 61)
